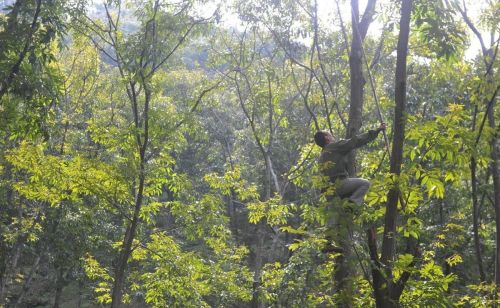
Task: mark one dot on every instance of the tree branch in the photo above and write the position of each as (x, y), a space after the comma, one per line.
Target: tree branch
(367, 18)
(198, 101)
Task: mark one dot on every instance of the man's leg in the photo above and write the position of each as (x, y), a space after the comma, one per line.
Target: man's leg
(354, 189)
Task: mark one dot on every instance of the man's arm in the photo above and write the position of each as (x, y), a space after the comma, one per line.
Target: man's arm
(356, 141)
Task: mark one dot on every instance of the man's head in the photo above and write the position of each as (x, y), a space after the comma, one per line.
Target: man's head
(322, 138)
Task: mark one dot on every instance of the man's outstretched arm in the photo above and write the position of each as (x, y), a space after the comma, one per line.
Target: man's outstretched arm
(357, 141)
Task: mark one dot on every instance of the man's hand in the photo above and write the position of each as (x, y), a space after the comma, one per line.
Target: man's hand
(382, 126)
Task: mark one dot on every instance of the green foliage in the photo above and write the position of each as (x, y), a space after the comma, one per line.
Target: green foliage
(489, 16)
(273, 211)
(30, 80)
(53, 179)
(95, 272)
(179, 279)
(480, 295)
(430, 290)
(437, 27)
(184, 279)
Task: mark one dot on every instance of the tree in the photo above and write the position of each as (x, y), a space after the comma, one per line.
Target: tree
(388, 292)
(359, 30)
(138, 58)
(489, 56)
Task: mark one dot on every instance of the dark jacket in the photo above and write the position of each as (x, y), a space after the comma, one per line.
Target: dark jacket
(333, 159)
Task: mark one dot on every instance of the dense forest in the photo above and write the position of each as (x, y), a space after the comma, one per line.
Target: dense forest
(160, 153)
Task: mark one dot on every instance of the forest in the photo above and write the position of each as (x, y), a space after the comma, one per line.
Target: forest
(161, 153)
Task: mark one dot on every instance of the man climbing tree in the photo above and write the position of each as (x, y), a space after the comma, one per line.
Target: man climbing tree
(351, 191)
(334, 163)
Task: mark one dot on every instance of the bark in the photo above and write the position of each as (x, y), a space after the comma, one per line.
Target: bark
(4, 253)
(376, 275)
(341, 235)
(119, 282)
(7, 279)
(80, 299)
(398, 128)
(271, 179)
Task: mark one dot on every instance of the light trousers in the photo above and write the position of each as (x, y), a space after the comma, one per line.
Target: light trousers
(353, 189)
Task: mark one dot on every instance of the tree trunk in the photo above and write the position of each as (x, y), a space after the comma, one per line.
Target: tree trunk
(12, 265)
(27, 282)
(4, 253)
(59, 288)
(256, 302)
(496, 188)
(359, 30)
(357, 82)
(271, 180)
(128, 239)
(475, 219)
(391, 298)
(142, 144)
